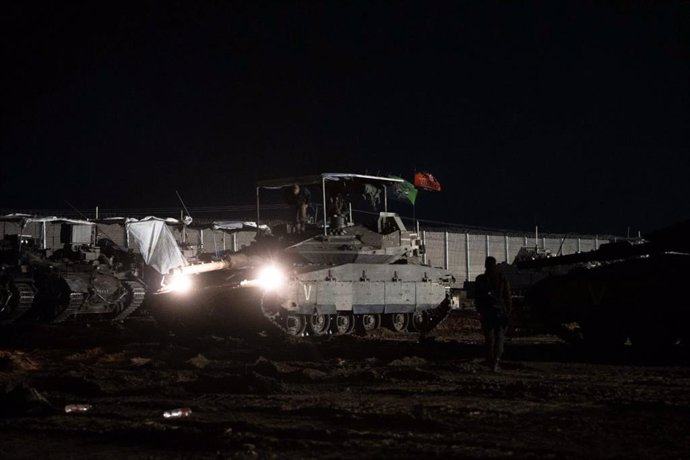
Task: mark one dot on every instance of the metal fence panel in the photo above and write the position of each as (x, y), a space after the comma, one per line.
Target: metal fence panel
(245, 238)
(477, 252)
(497, 247)
(434, 242)
(552, 245)
(194, 237)
(477, 242)
(212, 241)
(457, 254)
(586, 245)
(570, 246)
(515, 243)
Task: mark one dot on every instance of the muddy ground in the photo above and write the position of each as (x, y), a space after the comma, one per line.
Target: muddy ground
(335, 397)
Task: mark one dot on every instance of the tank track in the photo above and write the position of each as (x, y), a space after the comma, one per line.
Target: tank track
(76, 300)
(297, 325)
(136, 294)
(25, 294)
(435, 316)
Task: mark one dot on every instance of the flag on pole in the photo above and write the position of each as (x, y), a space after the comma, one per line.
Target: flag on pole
(425, 181)
(404, 191)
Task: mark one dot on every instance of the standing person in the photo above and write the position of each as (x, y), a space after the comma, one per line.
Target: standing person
(493, 302)
(300, 198)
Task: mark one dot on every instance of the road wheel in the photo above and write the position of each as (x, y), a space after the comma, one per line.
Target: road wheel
(369, 322)
(295, 324)
(344, 323)
(397, 322)
(416, 321)
(319, 324)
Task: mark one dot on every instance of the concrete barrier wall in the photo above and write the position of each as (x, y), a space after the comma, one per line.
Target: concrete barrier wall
(463, 253)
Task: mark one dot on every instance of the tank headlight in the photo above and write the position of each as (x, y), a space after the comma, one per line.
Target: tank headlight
(270, 278)
(179, 283)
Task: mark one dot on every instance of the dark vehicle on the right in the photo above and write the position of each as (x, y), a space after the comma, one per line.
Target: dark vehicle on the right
(623, 291)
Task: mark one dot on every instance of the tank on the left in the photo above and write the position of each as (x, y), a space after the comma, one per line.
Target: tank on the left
(56, 269)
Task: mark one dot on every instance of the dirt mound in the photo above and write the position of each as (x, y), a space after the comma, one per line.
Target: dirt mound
(199, 361)
(11, 361)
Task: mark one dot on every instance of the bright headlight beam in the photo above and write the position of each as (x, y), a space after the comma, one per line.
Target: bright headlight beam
(270, 278)
(179, 283)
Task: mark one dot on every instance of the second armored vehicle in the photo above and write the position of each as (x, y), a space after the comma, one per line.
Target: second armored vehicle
(623, 291)
(52, 269)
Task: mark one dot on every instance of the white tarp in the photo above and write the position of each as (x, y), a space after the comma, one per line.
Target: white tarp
(168, 220)
(230, 225)
(156, 244)
(59, 220)
(15, 217)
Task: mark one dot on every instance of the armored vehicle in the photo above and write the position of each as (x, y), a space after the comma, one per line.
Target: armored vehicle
(17, 285)
(53, 269)
(330, 275)
(622, 291)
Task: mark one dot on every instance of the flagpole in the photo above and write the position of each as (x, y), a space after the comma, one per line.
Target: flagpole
(414, 205)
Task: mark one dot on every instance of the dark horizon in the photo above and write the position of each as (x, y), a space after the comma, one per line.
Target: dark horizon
(572, 116)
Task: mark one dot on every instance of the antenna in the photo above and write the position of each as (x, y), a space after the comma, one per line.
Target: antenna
(78, 211)
(182, 202)
(560, 248)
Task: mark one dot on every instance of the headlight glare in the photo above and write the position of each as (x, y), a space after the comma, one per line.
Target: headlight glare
(179, 283)
(270, 278)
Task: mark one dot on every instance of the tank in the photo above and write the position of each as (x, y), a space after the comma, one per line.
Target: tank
(331, 275)
(624, 291)
(53, 270)
(17, 285)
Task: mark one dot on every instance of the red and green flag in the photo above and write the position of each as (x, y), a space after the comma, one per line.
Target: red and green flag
(426, 181)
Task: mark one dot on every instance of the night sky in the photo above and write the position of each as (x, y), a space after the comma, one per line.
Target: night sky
(573, 116)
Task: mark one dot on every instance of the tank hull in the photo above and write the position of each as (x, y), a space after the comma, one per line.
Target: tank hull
(314, 301)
